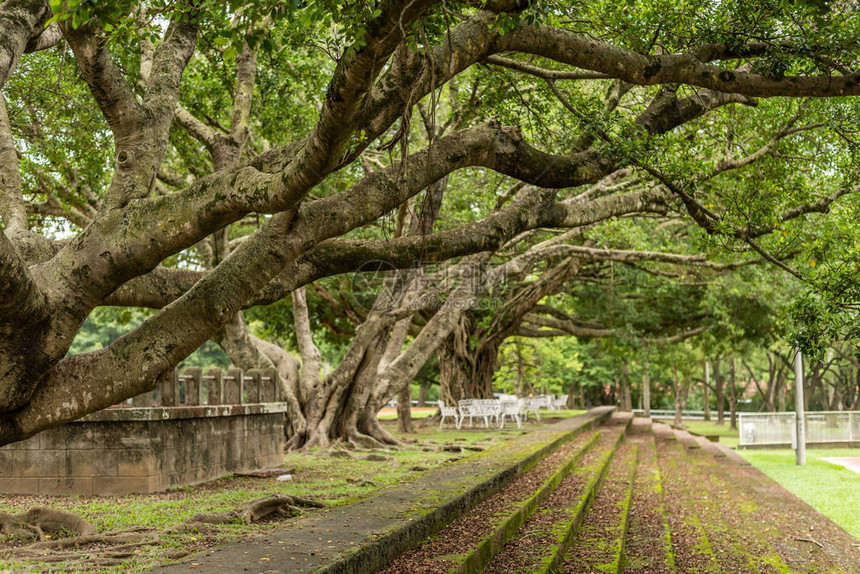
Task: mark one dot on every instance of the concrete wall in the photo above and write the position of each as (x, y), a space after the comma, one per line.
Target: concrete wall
(125, 450)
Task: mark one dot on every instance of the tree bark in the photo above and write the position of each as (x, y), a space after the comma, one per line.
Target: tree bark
(733, 399)
(681, 391)
(404, 410)
(706, 399)
(646, 392)
(719, 393)
(625, 397)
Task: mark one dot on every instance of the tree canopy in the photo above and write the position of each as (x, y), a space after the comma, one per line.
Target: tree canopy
(201, 158)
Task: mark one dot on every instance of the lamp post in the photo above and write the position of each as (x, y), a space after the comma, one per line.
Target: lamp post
(799, 414)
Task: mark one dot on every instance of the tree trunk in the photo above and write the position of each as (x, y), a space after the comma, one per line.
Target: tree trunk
(719, 394)
(733, 399)
(783, 390)
(706, 399)
(681, 391)
(422, 396)
(404, 410)
(625, 395)
(572, 395)
(464, 372)
(646, 393)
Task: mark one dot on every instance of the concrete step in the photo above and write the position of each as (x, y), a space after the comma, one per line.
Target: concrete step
(729, 548)
(484, 530)
(690, 543)
(711, 448)
(540, 544)
(732, 455)
(599, 544)
(641, 425)
(738, 513)
(648, 549)
(369, 534)
(777, 528)
(686, 440)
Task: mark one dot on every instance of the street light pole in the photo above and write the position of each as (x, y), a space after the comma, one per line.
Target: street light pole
(799, 413)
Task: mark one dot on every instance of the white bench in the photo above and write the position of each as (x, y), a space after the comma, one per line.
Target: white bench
(484, 408)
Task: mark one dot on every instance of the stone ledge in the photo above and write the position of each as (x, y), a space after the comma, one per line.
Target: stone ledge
(181, 412)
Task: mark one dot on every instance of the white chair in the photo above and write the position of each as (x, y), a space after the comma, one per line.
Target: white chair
(465, 409)
(510, 408)
(448, 412)
(533, 405)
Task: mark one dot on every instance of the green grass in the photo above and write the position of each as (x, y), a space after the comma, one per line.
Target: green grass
(417, 413)
(831, 489)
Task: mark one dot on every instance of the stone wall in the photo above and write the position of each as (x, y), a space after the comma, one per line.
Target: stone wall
(139, 449)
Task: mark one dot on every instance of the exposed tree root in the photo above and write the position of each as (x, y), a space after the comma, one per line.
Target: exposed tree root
(108, 548)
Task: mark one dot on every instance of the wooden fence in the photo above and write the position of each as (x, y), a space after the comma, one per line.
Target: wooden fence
(194, 386)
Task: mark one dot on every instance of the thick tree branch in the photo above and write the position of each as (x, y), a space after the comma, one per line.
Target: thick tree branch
(47, 38)
(13, 211)
(543, 73)
(112, 93)
(21, 22)
(596, 55)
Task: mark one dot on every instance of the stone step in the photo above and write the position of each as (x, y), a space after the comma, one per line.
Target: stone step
(738, 512)
(775, 524)
(599, 544)
(484, 530)
(648, 549)
(731, 455)
(540, 544)
(686, 440)
(690, 543)
(369, 534)
(710, 447)
(730, 548)
(641, 425)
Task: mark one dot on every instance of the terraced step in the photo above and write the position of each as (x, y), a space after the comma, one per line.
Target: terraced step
(737, 509)
(599, 545)
(469, 542)
(541, 543)
(776, 527)
(648, 549)
(365, 536)
(728, 548)
(690, 543)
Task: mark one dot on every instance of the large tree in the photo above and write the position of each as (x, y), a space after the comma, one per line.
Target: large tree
(141, 196)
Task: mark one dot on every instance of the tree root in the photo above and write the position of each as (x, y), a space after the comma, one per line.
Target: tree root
(111, 547)
(255, 511)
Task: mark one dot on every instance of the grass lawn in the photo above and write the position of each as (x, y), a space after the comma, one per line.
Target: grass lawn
(389, 414)
(832, 489)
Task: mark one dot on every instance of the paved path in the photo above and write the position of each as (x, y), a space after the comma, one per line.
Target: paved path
(369, 533)
(850, 462)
